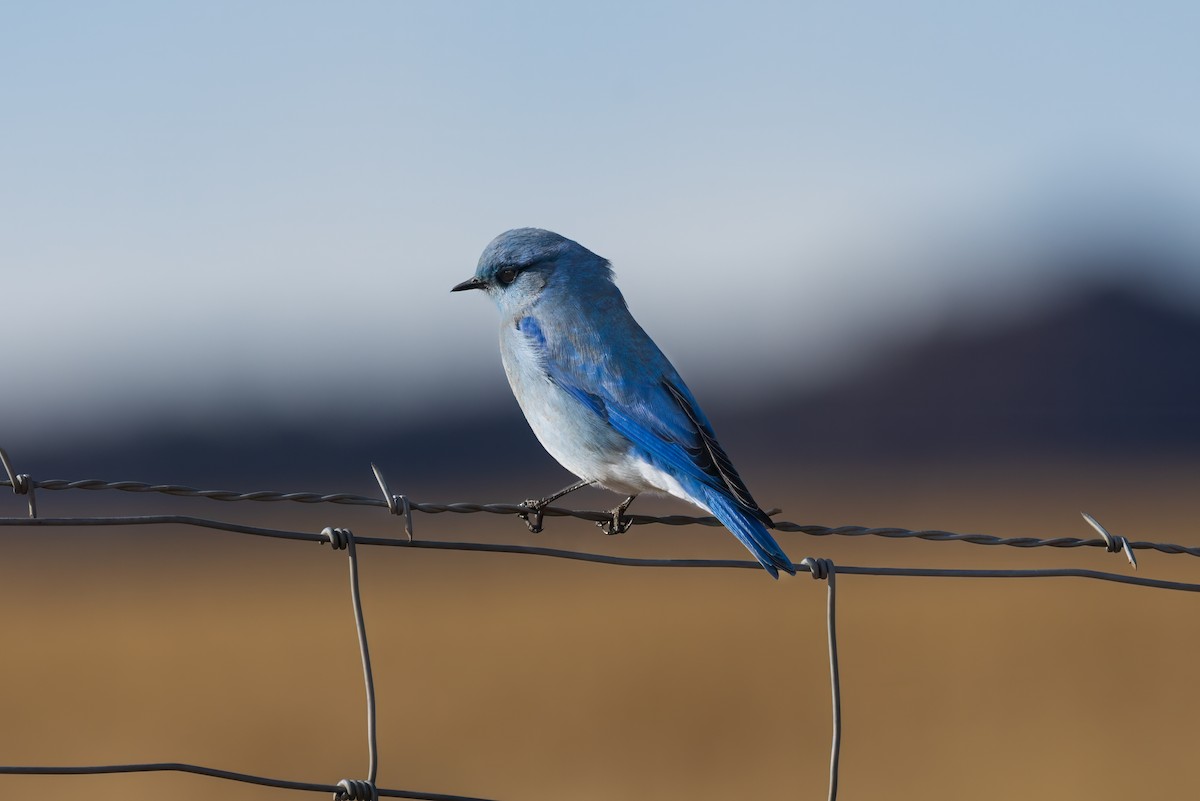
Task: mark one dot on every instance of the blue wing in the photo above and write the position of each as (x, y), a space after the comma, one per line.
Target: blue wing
(637, 390)
(646, 401)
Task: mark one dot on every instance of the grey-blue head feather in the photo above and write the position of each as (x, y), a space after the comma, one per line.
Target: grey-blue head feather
(523, 266)
(524, 249)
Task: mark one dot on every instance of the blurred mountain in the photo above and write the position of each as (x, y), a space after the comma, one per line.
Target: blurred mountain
(1109, 370)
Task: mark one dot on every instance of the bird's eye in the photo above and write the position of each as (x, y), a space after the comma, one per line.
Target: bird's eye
(507, 275)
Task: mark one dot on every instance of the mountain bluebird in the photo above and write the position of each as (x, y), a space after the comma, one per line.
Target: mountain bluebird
(599, 394)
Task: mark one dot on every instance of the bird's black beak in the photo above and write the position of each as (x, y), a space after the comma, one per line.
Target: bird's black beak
(470, 283)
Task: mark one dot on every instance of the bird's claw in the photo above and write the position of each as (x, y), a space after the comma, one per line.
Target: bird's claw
(619, 524)
(532, 517)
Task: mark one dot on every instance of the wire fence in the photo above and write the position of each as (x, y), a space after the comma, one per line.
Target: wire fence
(344, 539)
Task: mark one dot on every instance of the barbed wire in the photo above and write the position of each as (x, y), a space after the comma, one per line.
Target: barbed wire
(344, 539)
(402, 505)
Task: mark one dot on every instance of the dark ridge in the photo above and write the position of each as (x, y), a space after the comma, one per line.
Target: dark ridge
(1109, 369)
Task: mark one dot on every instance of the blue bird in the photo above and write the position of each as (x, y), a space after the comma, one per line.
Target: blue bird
(599, 394)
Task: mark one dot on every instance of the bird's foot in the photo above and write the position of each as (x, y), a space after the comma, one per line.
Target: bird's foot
(533, 517)
(619, 524)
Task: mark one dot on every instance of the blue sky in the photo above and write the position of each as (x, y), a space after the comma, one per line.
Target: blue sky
(208, 205)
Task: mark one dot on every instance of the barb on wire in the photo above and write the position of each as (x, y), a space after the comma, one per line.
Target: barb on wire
(20, 482)
(401, 502)
(396, 504)
(342, 539)
(1112, 544)
(825, 569)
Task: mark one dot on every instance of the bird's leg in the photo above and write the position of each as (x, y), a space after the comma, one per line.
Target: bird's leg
(533, 518)
(618, 525)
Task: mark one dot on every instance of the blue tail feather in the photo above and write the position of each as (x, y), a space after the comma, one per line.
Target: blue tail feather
(749, 530)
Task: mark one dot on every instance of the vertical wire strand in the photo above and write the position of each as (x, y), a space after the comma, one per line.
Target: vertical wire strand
(835, 683)
(365, 653)
(825, 569)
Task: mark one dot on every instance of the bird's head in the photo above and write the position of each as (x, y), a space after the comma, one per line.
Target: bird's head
(517, 266)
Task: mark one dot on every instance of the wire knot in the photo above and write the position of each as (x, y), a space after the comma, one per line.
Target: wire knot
(396, 504)
(356, 790)
(1113, 543)
(820, 569)
(339, 538)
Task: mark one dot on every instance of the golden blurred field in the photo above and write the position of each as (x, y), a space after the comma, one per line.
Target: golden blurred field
(514, 677)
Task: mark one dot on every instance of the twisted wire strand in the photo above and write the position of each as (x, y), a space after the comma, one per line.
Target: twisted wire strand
(595, 516)
(356, 790)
